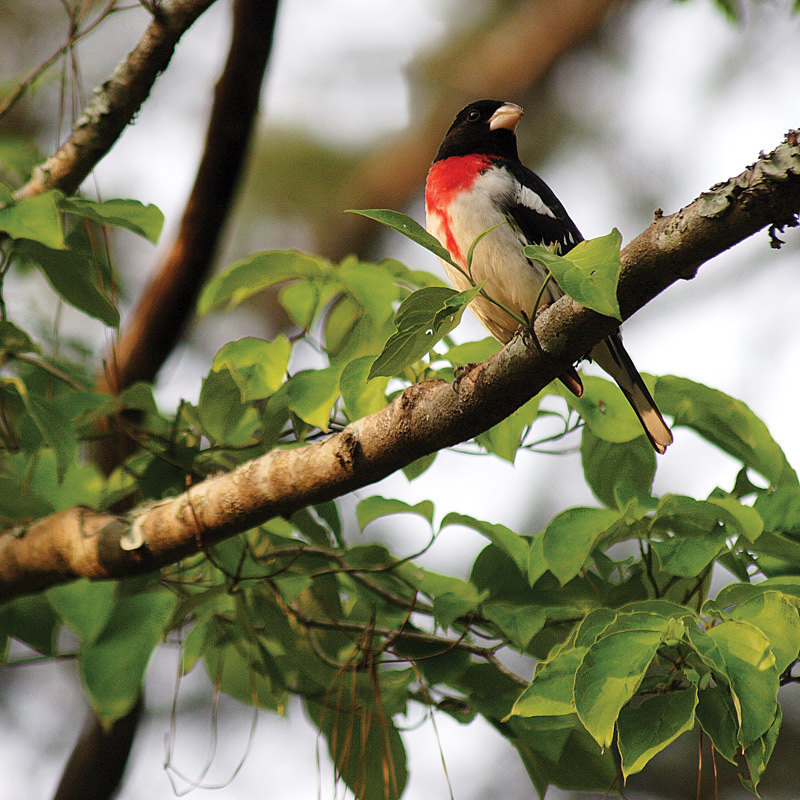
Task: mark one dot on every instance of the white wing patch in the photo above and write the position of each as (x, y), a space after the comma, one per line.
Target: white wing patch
(527, 197)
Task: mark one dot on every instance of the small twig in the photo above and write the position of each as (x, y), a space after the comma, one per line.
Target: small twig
(51, 369)
(119, 99)
(500, 667)
(531, 326)
(414, 636)
(74, 37)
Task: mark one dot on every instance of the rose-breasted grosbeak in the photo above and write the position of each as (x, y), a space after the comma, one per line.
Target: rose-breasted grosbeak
(477, 182)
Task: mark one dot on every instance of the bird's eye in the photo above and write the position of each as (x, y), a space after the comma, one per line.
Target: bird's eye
(474, 115)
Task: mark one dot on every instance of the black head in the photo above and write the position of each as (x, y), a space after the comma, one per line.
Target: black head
(485, 127)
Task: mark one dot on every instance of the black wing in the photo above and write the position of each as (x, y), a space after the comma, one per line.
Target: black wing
(538, 227)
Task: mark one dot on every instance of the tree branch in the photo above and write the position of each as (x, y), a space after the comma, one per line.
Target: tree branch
(115, 102)
(170, 299)
(426, 417)
(97, 763)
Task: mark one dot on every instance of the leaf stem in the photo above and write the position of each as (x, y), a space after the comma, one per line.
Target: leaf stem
(532, 321)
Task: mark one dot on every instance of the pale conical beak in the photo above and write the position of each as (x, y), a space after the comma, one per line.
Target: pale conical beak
(507, 116)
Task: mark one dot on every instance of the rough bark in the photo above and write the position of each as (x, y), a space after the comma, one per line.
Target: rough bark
(426, 417)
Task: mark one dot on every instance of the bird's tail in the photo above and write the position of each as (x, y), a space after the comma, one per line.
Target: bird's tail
(614, 359)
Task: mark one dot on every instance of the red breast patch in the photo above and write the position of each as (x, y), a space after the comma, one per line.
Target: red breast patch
(446, 179)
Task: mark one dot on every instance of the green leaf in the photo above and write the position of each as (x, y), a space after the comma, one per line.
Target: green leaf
(685, 516)
(15, 340)
(741, 518)
(409, 227)
(313, 530)
(472, 352)
(31, 620)
(610, 674)
(726, 422)
(254, 275)
(239, 669)
(19, 503)
(301, 301)
(18, 155)
(112, 666)
(618, 472)
(570, 537)
(589, 273)
(758, 754)
(462, 600)
(258, 367)
(504, 439)
(511, 543)
(55, 428)
(780, 510)
(537, 566)
(688, 556)
(422, 319)
(313, 394)
(606, 411)
(74, 274)
(656, 723)
(223, 415)
(371, 508)
(593, 625)
(146, 221)
(698, 536)
(551, 690)
(750, 665)
(84, 606)
(719, 719)
(372, 286)
(419, 467)
(778, 620)
(290, 586)
(519, 623)
(557, 751)
(361, 395)
(36, 219)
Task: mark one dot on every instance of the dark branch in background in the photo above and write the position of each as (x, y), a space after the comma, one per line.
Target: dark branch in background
(97, 763)
(170, 299)
(426, 417)
(499, 58)
(115, 102)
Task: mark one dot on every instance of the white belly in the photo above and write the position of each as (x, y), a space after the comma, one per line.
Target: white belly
(498, 259)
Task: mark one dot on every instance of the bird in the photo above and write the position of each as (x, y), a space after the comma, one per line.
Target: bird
(477, 182)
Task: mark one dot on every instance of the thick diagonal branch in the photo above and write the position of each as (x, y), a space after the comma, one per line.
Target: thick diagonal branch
(426, 417)
(115, 102)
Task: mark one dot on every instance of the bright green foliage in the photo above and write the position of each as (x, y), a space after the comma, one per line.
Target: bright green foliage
(607, 605)
(589, 273)
(422, 320)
